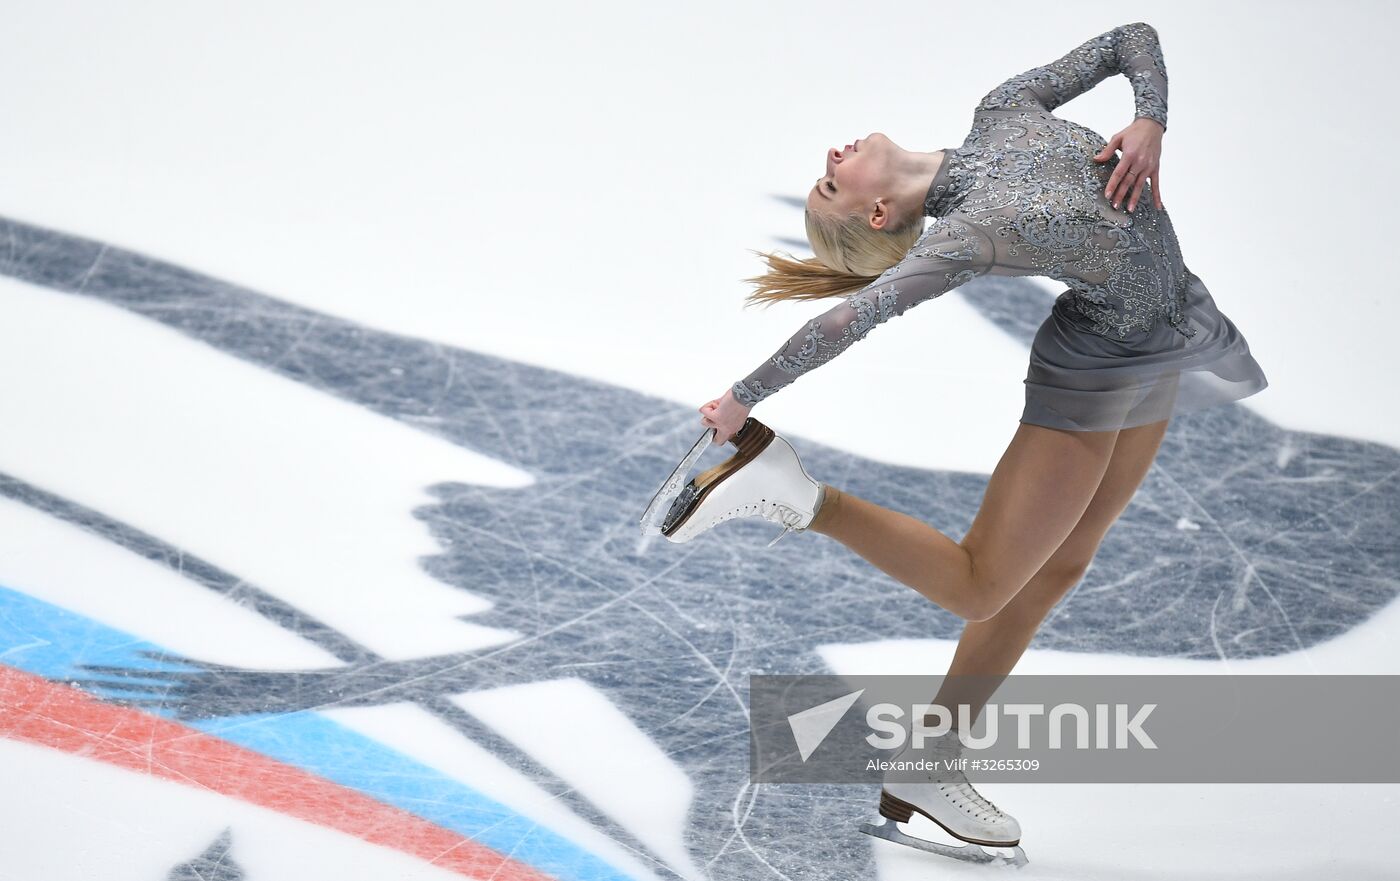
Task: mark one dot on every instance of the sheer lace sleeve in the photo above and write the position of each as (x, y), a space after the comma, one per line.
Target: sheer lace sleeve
(950, 252)
(1131, 49)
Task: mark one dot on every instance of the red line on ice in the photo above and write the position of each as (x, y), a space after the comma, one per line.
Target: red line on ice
(47, 713)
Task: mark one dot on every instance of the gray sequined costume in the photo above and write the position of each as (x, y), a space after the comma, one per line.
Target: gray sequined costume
(1135, 337)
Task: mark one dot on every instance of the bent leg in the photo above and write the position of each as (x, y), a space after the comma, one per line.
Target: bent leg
(1038, 491)
(988, 650)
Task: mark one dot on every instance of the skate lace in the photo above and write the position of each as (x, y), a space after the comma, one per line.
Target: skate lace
(974, 797)
(775, 511)
(786, 515)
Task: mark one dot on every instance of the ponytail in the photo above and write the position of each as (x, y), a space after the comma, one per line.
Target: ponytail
(850, 254)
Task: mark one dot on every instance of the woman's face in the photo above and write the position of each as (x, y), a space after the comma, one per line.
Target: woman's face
(855, 176)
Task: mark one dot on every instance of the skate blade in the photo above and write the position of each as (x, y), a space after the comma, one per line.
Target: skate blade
(971, 853)
(750, 440)
(677, 499)
(661, 501)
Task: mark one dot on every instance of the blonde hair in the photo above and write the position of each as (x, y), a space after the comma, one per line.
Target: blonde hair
(850, 254)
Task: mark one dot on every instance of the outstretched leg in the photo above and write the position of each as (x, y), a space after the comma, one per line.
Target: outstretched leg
(989, 649)
(1037, 493)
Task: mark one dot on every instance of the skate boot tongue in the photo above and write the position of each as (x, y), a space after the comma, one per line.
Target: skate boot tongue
(946, 765)
(933, 760)
(943, 747)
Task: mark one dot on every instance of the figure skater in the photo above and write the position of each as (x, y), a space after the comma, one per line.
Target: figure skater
(1134, 338)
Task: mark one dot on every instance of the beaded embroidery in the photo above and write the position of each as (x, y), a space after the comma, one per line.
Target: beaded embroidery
(1023, 195)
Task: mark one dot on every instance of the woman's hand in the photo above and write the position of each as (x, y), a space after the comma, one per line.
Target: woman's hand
(725, 415)
(1141, 143)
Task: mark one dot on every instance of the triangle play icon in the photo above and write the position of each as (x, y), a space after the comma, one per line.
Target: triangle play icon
(810, 727)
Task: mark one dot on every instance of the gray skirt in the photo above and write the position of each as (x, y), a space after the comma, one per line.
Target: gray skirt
(1079, 380)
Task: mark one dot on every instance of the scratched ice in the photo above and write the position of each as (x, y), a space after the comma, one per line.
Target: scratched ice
(1246, 540)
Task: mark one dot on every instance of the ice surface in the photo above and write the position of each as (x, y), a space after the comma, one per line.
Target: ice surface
(1289, 548)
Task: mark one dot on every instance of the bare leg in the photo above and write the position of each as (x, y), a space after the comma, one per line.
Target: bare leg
(1038, 492)
(989, 649)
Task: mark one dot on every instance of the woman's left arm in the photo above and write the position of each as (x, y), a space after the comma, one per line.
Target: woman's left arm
(1133, 50)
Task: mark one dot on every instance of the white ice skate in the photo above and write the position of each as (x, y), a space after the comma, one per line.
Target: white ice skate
(764, 478)
(944, 795)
